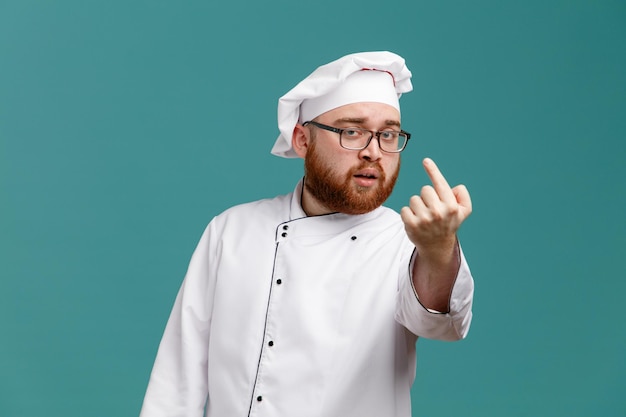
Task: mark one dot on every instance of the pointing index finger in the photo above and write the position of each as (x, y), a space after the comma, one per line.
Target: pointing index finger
(439, 181)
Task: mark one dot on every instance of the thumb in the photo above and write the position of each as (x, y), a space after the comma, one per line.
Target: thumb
(463, 198)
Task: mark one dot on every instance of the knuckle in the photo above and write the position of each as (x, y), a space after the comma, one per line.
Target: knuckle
(406, 213)
(437, 216)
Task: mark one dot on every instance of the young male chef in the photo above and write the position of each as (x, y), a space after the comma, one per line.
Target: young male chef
(309, 304)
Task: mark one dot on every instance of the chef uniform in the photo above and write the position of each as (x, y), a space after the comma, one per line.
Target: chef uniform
(284, 314)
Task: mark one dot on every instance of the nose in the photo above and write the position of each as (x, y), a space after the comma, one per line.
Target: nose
(372, 151)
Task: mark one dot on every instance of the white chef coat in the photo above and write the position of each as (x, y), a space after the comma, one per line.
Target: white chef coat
(286, 315)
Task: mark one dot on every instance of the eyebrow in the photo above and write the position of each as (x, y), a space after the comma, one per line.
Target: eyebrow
(361, 120)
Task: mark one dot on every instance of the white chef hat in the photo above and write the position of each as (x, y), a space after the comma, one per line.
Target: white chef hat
(362, 77)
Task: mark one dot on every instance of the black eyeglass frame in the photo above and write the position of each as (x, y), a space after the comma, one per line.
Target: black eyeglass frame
(372, 134)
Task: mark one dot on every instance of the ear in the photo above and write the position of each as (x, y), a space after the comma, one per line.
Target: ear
(300, 140)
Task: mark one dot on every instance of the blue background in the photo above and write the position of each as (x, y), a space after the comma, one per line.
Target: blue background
(126, 125)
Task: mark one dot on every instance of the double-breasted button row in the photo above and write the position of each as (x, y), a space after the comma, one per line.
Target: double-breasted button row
(270, 343)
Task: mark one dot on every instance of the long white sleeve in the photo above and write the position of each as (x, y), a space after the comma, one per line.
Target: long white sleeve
(450, 326)
(178, 383)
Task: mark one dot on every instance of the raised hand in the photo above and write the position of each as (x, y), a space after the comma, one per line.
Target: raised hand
(432, 218)
(431, 221)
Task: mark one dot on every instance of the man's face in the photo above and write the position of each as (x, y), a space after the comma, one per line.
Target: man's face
(349, 181)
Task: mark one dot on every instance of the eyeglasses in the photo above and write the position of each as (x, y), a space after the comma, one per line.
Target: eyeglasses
(356, 139)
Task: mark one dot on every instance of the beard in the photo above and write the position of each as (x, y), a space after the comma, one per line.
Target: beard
(340, 194)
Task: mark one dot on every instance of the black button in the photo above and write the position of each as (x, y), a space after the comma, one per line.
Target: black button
(279, 281)
(284, 235)
(285, 227)
(259, 398)
(271, 343)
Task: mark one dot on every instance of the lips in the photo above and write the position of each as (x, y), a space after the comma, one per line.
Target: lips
(369, 173)
(366, 177)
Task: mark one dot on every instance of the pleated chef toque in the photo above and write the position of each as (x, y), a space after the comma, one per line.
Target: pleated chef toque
(379, 77)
